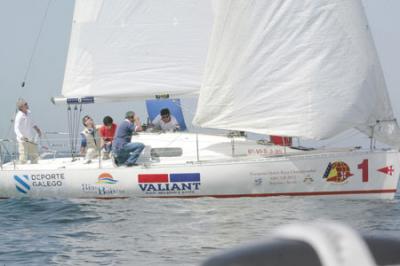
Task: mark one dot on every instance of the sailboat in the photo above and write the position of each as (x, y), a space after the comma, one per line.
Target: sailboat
(305, 69)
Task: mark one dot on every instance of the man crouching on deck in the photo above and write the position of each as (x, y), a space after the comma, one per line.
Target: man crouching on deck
(125, 151)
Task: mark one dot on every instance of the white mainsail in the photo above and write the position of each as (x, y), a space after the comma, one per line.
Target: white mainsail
(124, 49)
(294, 68)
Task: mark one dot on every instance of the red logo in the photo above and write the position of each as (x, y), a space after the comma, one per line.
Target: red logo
(389, 170)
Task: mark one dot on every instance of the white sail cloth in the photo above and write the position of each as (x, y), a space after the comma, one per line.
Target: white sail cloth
(295, 68)
(124, 49)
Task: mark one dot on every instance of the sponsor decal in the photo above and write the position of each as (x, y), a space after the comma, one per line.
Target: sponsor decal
(258, 181)
(265, 151)
(308, 179)
(176, 183)
(22, 183)
(106, 178)
(106, 185)
(337, 172)
(26, 183)
(282, 177)
(389, 170)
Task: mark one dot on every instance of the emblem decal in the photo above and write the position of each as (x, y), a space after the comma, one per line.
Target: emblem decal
(22, 183)
(106, 178)
(337, 172)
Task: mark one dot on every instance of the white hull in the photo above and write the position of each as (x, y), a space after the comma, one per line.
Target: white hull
(337, 173)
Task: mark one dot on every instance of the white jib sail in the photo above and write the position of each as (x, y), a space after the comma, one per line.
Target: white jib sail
(294, 68)
(122, 49)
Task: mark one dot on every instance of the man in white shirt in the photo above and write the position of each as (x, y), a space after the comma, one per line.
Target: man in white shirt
(165, 121)
(24, 129)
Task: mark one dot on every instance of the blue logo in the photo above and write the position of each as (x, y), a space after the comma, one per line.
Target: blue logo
(22, 184)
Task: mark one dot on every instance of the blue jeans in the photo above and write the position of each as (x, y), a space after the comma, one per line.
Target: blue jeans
(107, 147)
(129, 153)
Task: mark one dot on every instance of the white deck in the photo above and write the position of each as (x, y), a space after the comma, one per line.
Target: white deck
(211, 148)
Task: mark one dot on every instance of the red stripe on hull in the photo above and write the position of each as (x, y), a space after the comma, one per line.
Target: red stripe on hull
(153, 178)
(111, 198)
(317, 193)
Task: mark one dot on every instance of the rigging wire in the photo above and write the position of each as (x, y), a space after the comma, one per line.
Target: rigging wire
(35, 46)
(69, 119)
(78, 119)
(186, 109)
(30, 62)
(74, 116)
(342, 137)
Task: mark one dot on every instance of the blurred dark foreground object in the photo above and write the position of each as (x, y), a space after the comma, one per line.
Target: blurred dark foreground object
(293, 252)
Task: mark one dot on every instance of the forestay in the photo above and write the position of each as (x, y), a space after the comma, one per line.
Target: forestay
(124, 49)
(295, 68)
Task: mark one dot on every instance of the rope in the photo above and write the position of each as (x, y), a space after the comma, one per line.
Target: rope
(47, 141)
(30, 62)
(74, 134)
(71, 131)
(36, 44)
(11, 125)
(346, 135)
(5, 154)
(69, 126)
(188, 110)
(74, 117)
(185, 109)
(77, 121)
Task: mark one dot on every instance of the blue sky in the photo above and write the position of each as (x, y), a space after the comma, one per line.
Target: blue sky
(19, 24)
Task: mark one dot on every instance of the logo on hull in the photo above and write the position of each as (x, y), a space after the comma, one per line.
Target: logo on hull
(337, 172)
(106, 178)
(169, 184)
(308, 179)
(26, 183)
(22, 184)
(105, 185)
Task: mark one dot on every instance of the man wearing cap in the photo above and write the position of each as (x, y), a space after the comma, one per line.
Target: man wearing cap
(125, 151)
(24, 128)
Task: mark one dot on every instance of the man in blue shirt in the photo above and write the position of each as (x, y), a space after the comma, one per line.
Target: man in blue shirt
(125, 151)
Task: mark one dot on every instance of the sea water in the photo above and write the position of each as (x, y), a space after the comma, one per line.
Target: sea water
(166, 231)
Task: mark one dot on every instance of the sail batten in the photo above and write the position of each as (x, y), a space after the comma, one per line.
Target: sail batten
(294, 68)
